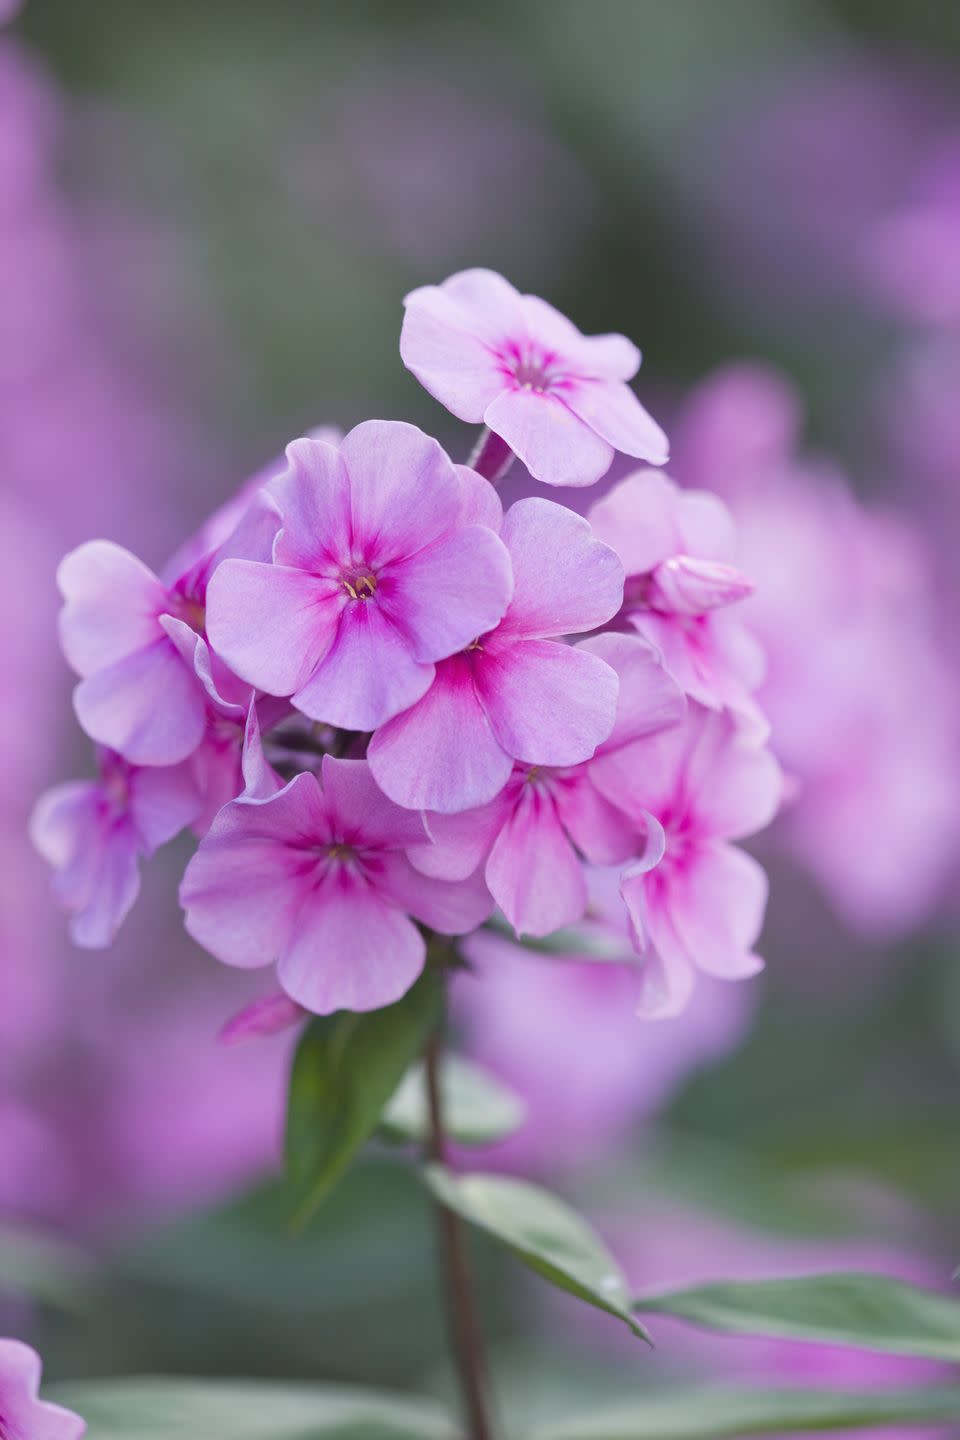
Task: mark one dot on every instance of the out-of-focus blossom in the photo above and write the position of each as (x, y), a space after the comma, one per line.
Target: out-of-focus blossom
(695, 902)
(913, 254)
(860, 693)
(95, 832)
(517, 693)
(378, 574)
(315, 879)
(22, 1412)
(595, 1072)
(531, 836)
(677, 549)
(558, 399)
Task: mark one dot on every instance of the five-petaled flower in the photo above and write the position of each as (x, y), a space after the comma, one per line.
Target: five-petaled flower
(559, 399)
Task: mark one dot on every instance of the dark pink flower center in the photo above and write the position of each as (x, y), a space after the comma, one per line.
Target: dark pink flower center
(531, 368)
(189, 608)
(360, 584)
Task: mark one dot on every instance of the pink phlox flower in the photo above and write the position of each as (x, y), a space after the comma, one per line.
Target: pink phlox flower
(387, 563)
(532, 838)
(23, 1415)
(139, 644)
(559, 399)
(314, 877)
(696, 902)
(677, 548)
(516, 693)
(95, 832)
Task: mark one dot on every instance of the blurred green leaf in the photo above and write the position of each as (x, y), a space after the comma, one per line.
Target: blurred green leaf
(43, 1267)
(477, 1107)
(169, 1409)
(345, 1070)
(870, 1312)
(714, 1414)
(547, 1235)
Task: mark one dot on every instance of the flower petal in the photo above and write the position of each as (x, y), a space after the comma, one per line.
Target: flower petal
(368, 674)
(313, 494)
(449, 593)
(613, 411)
(149, 706)
(450, 908)
(533, 871)
(564, 579)
(271, 624)
(601, 832)
(459, 843)
(441, 754)
(556, 447)
(404, 491)
(361, 811)
(451, 334)
(637, 517)
(547, 703)
(717, 904)
(350, 949)
(112, 604)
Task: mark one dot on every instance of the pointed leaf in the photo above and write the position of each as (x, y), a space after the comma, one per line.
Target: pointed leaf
(870, 1312)
(345, 1070)
(721, 1414)
(545, 1232)
(477, 1107)
(169, 1409)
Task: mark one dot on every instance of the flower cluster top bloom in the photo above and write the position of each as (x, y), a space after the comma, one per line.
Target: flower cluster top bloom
(386, 706)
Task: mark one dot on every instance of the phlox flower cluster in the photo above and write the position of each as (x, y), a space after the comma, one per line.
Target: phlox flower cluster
(388, 707)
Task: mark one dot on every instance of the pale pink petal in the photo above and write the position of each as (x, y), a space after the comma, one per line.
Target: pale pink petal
(361, 813)
(706, 527)
(452, 334)
(22, 1414)
(404, 491)
(548, 703)
(149, 706)
(450, 908)
(112, 603)
(114, 887)
(613, 412)
(367, 675)
(459, 843)
(683, 585)
(605, 357)
(350, 949)
(163, 800)
(667, 976)
(533, 871)
(313, 494)
(733, 786)
(270, 1015)
(260, 780)
(564, 579)
(649, 699)
(479, 502)
(63, 817)
(638, 519)
(94, 851)
(601, 832)
(272, 625)
(449, 593)
(556, 447)
(441, 754)
(717, 903)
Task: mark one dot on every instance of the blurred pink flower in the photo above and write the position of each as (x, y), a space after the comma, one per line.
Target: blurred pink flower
(559, 399)
(22, 1412)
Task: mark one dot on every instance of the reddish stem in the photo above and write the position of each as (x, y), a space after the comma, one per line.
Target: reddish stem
(491, 457)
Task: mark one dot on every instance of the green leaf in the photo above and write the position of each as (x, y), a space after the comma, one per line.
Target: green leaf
(168, 1409)
(547, 1235)
(870, 1312)
(345, 1070)
(44, 1267)
(721, 1414)
(477, 1108)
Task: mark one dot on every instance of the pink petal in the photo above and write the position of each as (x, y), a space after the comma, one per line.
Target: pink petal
(361, 812)
(613, 412)
(706, 527)
(270, 1015)
(533, 871)
(114, 887)
(449, 593)
(601, 832)
(552, 442)
(112, 603)
(20, 1409)
(449, 908)
(404, 491)
(667, 976)
(649, 698)
(717, 903)
(313, 494)
(350, 950)
(547, 703)
(459, 844)
(272, 625)
(564, 579)
(441, 754)
(451, 334)
(164, 800)
(683, 585)
(367, 675)
(479, 502)
(638, 518)
(149, 706)
(734, 786)
(603, 357)
(95, 855)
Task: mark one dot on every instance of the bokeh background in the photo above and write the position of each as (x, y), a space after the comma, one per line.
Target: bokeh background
(209, 215)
